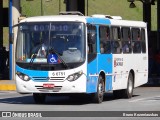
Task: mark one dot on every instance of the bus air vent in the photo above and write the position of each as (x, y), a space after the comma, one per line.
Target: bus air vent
(107, 16)
(42, 89)
(50, 79)
(71, 13)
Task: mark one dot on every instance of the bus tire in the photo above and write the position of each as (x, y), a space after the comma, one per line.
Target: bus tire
(98, 96)
(129, 91)
(39, 98)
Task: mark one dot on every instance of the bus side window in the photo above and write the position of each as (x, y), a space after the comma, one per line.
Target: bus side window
(143, 40)
(91, 39)
(126, 40)
(136, 40)
(116, 40)
(105, 43)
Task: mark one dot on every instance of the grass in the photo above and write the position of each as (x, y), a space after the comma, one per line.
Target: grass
(107, 7)
(5, 3)
(5, 36)
(33, 8)
(116, 8)
(5, 29)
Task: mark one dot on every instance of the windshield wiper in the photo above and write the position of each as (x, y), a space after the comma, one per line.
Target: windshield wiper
(34, 55)
(54, 51)
(32, 58)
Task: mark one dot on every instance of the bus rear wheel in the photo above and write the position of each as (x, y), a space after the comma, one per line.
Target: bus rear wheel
(98, 96)
(39, 98)
(129, 91)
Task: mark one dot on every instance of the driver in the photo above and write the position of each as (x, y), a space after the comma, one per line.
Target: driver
(41, 48)
(42, 52)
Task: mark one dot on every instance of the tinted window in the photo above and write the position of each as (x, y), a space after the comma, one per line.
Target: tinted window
(105, 42)
(136, 40)
(116, 40)
(92, 34)
(126, 40)
(143, 41)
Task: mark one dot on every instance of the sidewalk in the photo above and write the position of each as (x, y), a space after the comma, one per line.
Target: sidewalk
(7, 85)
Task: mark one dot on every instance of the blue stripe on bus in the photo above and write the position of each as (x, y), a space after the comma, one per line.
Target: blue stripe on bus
(105, 64)
(91, 79)
(102, 63)
(98, 21)
(32, 73)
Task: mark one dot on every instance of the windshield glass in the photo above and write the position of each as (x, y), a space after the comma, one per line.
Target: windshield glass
(50, 44)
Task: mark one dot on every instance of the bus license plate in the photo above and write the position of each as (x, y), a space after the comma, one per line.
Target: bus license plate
(48, 86)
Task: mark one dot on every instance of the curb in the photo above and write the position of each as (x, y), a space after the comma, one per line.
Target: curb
(7, 87)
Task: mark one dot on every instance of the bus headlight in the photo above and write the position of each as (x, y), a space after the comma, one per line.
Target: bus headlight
(74, 76)
(23, 76)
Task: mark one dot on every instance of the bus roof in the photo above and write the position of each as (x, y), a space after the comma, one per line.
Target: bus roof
(128, 23)
(85, 19)
(55, 18)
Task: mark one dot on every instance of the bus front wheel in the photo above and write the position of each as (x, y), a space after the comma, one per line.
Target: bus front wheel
(39, 98)
(98, 96)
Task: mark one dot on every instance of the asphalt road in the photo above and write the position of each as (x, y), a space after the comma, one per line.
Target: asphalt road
(144, 99)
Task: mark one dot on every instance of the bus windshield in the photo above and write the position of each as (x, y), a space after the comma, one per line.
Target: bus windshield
(50, 44)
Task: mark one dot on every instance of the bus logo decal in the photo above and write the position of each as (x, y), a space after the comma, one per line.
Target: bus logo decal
(118, 62)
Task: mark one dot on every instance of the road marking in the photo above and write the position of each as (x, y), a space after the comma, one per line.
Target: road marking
(151, 99)
(136, 100)
(4, 92)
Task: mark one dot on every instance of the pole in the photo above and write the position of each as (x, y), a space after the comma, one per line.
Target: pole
(147, 19)
(71, 5)
(81, 6)
(14, 14)
(147, 15)
(41, 7)
(158, 24)
(10, 45)
(1, 23)
(59, 6)
(87, 7)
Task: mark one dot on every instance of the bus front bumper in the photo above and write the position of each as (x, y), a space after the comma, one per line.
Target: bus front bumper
(77, 86)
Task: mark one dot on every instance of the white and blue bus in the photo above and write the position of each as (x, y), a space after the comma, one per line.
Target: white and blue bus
(75, 54)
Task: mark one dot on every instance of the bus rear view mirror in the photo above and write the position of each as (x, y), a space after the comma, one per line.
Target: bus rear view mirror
(11, 35)
(91, 38)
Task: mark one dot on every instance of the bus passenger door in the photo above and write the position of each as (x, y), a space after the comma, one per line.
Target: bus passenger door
(92, 75)
(104, 55)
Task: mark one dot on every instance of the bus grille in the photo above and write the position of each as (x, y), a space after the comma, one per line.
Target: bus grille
(55, 89)
(50, 79)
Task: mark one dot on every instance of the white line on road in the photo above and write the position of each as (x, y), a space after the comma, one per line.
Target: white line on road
(146, 99)
(4, 92)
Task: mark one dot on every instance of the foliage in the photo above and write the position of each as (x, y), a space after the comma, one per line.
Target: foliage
(107, 7)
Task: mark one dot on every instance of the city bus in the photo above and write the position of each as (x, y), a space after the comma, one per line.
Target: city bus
(71, 54)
